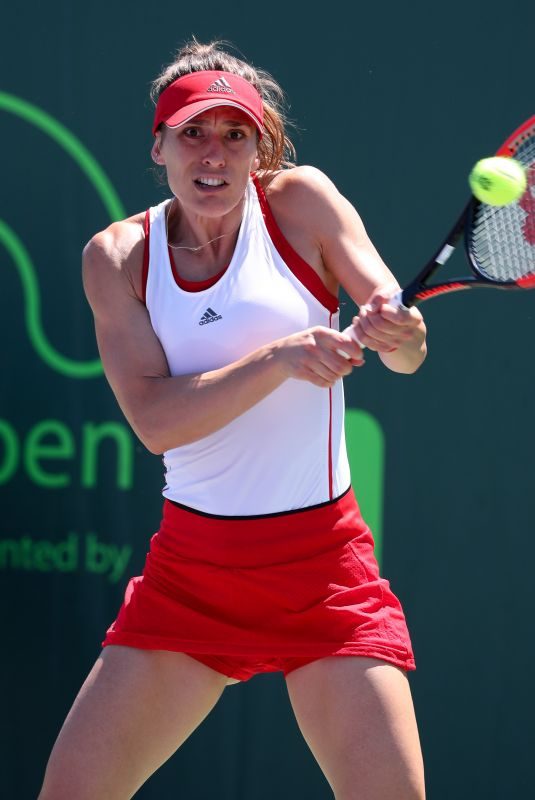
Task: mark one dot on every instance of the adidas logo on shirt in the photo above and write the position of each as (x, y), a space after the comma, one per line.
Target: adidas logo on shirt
(221, 85)
(209, 316)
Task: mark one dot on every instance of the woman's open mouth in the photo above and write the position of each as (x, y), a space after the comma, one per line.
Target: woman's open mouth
(210, 183)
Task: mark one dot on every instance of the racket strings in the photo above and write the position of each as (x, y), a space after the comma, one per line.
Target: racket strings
(503, 238)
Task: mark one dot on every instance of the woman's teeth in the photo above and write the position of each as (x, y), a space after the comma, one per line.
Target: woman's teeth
(210, 181)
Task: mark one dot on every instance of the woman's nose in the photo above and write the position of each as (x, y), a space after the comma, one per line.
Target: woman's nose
(214, 155)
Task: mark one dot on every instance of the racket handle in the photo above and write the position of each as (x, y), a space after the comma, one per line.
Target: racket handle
(397, 301)
(349, 332)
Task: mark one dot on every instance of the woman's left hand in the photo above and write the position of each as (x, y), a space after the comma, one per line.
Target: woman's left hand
(396, 333)
(383, 327)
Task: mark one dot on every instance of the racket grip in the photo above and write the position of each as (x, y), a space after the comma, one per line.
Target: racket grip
(397, 300)
(349, 332)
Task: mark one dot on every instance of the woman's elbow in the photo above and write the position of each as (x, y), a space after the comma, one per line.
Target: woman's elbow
(157, 439)
(149, 433)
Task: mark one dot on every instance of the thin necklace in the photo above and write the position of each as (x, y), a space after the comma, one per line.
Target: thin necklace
(196, 248)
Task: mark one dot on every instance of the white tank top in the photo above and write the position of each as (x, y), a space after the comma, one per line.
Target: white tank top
(288, 451)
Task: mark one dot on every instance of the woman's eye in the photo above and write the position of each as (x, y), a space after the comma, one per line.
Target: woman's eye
(192, 133)
(236, 135)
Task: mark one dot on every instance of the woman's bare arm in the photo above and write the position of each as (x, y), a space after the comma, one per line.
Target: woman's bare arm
(335, 231)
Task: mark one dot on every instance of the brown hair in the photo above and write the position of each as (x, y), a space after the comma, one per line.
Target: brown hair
(275, 150)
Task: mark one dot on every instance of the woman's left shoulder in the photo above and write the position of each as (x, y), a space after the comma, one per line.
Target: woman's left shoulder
(294, 180)
(291, 190)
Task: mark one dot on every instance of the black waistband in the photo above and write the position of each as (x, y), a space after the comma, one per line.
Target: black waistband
(260, 516)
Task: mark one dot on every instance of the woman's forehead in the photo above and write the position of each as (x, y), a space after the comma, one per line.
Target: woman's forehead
(226, 114)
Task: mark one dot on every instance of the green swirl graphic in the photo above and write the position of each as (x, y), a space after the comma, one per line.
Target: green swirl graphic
(27, 273)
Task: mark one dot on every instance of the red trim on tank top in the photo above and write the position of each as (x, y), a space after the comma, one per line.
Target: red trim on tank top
(146, 256)
(300, 268)
(193, 286)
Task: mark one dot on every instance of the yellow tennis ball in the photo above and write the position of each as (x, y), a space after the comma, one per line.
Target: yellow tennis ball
(498, 180)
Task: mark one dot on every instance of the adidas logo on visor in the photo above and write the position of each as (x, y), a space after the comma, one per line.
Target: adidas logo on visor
(221, 85)
(209, 316)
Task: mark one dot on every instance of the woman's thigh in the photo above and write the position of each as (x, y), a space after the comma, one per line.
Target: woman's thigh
(357, 717)
(133, 711)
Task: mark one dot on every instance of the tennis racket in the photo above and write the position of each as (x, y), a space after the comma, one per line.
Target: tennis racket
(499, 241)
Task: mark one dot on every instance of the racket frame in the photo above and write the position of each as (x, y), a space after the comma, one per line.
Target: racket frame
(418, 290)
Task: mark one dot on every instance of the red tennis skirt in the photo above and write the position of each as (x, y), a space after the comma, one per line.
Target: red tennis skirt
(263, 594)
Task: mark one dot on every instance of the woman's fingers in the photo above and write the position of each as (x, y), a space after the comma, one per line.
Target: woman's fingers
(385, 328)
(321, 355)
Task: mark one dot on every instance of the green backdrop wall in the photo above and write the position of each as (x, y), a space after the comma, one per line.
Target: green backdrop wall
(395, 102)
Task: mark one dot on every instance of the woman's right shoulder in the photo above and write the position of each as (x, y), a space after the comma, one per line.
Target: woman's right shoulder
(116, 253)
(116, 243)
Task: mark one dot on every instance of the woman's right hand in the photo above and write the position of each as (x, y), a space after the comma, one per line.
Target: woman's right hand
(312, 355)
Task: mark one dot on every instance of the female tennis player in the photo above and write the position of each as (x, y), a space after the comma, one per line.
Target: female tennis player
(217, 322)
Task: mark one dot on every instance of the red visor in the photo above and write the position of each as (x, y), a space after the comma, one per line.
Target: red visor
(194, 93)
